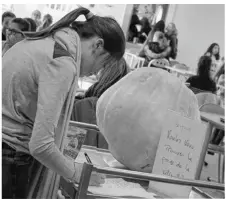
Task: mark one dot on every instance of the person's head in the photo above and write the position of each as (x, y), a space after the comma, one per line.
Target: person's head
(36, 15)
(108, 76)
(135, 11)
(33, 25)
(48, 18)
(214, 49)
(15, 30)
(102, 39)
(161, 39)
(47, 21)
(171, 29)
(6, 17)
(206, 67)
(159, 26)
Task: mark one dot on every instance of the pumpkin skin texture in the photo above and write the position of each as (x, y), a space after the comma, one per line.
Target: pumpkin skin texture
(131, 114)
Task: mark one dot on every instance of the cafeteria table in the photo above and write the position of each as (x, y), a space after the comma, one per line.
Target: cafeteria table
(214, 120)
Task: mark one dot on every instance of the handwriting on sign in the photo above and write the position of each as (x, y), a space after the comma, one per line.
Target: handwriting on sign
(190, 157)
(177, 144)
(179, 150)
(187, 144)
(182, 127)
(173, 138)
(171, 150)
(167, 172)
(171, 162)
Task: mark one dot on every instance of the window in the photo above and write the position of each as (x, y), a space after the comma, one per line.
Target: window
(70, 8)
(64, 7)
(159, 14)
(52, 6)
(58, 7)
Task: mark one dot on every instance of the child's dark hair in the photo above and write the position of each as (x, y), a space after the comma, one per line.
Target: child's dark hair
(33, 25)
(159, 26)
(110, 74)
(23, 24)
(210, 49)
(204, 65)
(104, 27)
(8, 14)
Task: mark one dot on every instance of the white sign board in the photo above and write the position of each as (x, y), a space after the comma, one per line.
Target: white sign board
(178, 154)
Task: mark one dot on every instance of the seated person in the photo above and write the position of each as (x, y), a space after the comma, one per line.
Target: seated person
(151, 50)
(14, 33)
(213, 51)
(47, 21)
(154, 49)
(220, 81)
(204, 79)
(6, 18)
(84, 109)
(159, 45)
(145, 29)
(171, 35)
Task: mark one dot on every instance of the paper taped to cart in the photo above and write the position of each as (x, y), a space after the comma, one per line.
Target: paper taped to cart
(180, 150)
(73, 141)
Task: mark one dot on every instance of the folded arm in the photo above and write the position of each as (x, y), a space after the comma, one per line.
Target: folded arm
(152, 55)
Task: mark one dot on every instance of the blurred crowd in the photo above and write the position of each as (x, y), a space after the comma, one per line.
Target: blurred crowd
(13, 27)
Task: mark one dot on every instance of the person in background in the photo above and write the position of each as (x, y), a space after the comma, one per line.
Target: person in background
(36, 16)
(169, 49)
(204, 79)
(133, 32)
(33, 25)
(171, 34)
(213, 51)
(220, 81)
(14, 33)
(108, 76)
(84, 109)
(145, 29)
(47, 21)
(6, 17)
(39, 83)
(154, 44)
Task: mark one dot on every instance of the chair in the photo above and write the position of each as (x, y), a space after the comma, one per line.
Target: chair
(181, 66)
(214, 108)
(159, 63)
(84, 110)
(206, 98)
(183, 76)
(173, 62)
(196, 90)
(133, 60)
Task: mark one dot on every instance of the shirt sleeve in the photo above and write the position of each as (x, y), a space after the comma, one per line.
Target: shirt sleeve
(55, 81)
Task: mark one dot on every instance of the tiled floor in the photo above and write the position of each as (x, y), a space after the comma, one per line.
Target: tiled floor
(211, 171)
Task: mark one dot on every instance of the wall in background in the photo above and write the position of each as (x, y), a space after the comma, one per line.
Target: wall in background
(198, 26)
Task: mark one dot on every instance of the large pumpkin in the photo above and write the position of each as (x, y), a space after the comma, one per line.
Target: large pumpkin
(132, 112)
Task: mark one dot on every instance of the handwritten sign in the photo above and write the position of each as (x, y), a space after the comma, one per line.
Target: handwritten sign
(178, 154)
